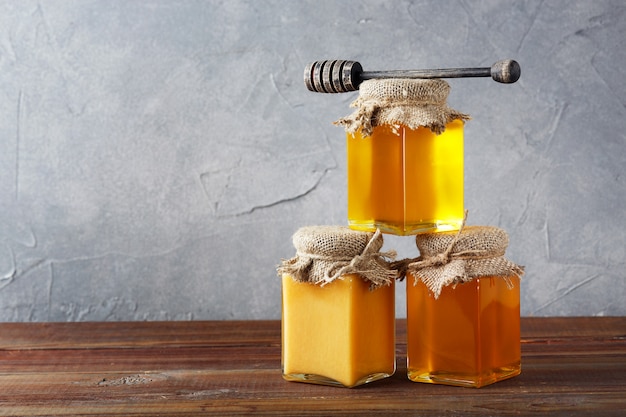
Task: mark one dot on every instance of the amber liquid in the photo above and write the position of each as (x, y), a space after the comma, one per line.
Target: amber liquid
(469, 336)
(406, 181)
(341, 334)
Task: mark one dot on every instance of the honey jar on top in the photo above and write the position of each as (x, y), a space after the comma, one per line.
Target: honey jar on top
(338, 323)
(404, 158)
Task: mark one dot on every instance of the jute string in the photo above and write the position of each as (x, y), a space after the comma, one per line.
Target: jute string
(410, 102)
(326, 253)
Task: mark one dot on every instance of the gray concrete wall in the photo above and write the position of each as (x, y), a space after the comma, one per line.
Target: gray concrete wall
(157, 156)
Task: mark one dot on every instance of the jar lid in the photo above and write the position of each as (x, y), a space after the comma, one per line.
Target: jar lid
(455, 257)
(479, 240)
(325, 253)
(332, 241)
(410, 102)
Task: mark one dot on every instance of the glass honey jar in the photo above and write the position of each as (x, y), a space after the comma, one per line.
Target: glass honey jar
(463, 309)
(404, 158)
(338, 309)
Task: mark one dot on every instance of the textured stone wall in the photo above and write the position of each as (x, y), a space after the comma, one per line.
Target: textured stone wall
(157, 156)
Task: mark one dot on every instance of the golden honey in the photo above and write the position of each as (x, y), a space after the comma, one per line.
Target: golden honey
(406, 181)
(469, 336)
(342, 333)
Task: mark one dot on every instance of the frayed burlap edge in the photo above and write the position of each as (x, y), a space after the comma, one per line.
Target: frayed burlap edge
(350, 252)
(413, 103)
(449, 259)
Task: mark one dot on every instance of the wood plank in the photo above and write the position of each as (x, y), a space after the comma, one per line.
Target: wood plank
(90, 335)
(561, 327)
(210, 333)
(261, 357)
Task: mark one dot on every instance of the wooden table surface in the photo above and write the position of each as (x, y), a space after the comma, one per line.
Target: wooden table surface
(570, 366)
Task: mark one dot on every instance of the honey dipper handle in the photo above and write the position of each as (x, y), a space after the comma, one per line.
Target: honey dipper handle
(340, 76)
(507, 71)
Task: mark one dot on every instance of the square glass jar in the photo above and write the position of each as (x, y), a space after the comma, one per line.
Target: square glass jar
(339, 334)
(406, 181)
(469, 336)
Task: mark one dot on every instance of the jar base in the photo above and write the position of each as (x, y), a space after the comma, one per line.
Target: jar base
(464, 380)
(406, 229)
(322, 380)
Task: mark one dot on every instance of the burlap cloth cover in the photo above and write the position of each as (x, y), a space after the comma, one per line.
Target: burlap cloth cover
(325, 253)
(409, 102)
(460, 256)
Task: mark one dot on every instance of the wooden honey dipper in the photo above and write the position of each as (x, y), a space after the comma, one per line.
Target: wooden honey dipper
(338, 76)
